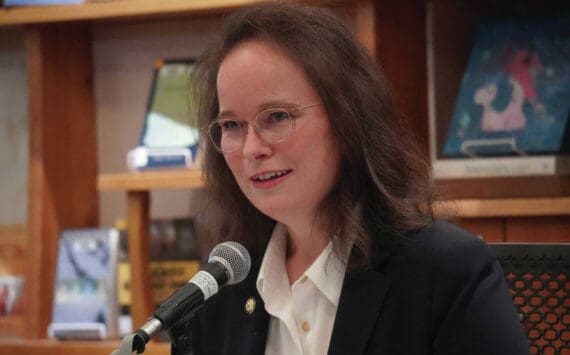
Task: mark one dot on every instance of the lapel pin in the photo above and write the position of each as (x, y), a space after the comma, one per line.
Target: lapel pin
(250, 305)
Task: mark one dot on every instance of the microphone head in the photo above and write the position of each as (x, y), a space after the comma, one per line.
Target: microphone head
(235, 258)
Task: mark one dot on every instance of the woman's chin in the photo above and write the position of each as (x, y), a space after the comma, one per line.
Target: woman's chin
(274, 210)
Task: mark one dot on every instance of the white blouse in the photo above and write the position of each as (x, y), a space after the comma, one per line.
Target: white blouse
(301, 315)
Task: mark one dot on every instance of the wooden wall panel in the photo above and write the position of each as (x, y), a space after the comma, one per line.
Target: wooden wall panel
(547, 229)
(552, 229)
(401, 51)
(531, 186)
(51, 347)
(13, 263)
(13, 242)
(139, 256)
(491, 229)
(63, 168)
(365, 22)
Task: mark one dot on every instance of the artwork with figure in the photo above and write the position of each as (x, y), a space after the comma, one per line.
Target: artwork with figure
(170, 120)
(170, 135)
(84, 290)
(515, 93)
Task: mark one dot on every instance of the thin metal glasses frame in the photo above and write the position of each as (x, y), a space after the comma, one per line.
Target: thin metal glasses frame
(244, 126)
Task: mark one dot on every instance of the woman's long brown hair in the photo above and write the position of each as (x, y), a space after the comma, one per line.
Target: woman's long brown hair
(384, 189)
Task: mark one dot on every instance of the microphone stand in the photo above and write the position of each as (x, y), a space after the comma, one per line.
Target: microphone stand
(126, 347)
(136, 342)
(189, 298)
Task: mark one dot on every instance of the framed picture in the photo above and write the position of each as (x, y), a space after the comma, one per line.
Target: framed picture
(514, 98)
(169, 136)
(85, 296)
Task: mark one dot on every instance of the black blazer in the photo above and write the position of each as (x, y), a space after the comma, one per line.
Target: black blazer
(436, 291)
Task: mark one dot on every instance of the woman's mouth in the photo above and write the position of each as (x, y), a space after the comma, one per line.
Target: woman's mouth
(269, 179)
(271, 175)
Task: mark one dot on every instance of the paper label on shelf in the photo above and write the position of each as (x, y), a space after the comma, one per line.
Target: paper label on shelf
(501, 166)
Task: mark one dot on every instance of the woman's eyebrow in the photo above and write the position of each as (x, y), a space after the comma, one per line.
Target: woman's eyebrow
(226, 114)
(273, 104)
(263, 106)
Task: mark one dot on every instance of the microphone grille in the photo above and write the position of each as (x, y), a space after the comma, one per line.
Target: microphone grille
(235, 258)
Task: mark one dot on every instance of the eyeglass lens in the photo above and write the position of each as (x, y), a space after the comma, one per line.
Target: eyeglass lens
(273, 125)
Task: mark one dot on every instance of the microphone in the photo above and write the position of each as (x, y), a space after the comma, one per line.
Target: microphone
(228, 264)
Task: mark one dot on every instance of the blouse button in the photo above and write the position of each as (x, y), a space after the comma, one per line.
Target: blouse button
(304, 279)
(305, 326)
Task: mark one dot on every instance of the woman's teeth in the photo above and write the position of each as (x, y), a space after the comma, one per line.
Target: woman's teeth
(270, 176)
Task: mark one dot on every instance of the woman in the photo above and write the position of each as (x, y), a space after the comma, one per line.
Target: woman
(313, 174)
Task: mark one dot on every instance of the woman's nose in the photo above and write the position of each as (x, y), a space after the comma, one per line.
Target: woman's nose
(254, 147)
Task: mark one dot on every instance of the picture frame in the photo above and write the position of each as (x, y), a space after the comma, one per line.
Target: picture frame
(169, 135)
(514, 98)
(85, 302)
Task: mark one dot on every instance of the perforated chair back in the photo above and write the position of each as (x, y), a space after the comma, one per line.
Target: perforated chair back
(538, 277)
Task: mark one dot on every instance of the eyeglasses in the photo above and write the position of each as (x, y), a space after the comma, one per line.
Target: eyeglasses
(273, 125)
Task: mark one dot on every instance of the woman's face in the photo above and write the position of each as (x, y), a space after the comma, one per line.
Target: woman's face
(287, 180)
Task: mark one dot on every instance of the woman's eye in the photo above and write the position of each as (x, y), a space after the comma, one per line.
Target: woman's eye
(229, 125)
(278, 116)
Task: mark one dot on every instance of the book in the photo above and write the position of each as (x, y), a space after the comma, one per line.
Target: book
(167, 277)
(169, 136)
(173, 239)
(85, 295)
(175, 258)
(514, 98)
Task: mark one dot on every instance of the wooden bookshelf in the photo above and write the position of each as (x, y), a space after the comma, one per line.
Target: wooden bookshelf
(137, 187)
(12, 262)
(461, 208)
(63, 164)
(63, 178)
(511, 207)
(122, 9)
(51, 347)
(114, 10)
(151, 180)
(12, 248)
(12, 326)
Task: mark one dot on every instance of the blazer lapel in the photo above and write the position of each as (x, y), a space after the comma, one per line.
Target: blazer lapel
(359, 306)
(251, 334)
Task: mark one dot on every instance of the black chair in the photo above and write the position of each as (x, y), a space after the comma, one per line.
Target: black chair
(539, 281)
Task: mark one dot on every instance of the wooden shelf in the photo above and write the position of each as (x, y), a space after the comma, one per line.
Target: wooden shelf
(118, 9)
(171, 179)
(52, 347)
(512, 207)
(12, 326)
(113, 9)
(138, 187)
(462, 208)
